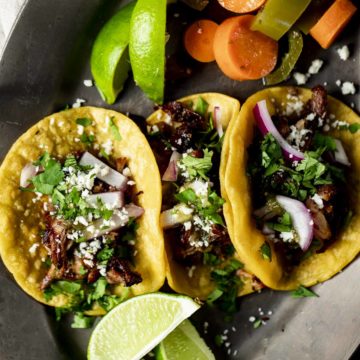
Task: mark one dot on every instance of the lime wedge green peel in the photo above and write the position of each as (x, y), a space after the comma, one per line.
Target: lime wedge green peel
(109, 62)
(184, 343)
(136, 326)
(147, 47)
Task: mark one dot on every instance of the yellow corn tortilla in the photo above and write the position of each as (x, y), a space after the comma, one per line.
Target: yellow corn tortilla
(21, 219)
(248, 240)
(200, 284)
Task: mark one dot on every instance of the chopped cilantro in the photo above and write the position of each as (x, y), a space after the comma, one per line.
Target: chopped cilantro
(105, 254)
(87, 139)
(84, 121)
(324, 141)
(211, 259)
(82, 322)
(265, 251)
(187, 196)
(311, 167)
(214, 295)
(354, 128)
(257, 323)
(270, 153)
(302, 291)
(60, 311)
(51, 176)
(114, 130)
(82, 270)
(201, 106)
(228, 283)
(218, 340)
(198, 167)
(99, 290)
(103, 154)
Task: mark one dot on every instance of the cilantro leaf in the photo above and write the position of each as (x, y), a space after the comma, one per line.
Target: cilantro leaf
(51, 176)
(302, 291)
(87, 139)
(84, 121)
(227, 286)
(187, 196)
(201, 106)
(354, 128)
(198, 167)
(114, 130)
(265, 251)
(105, 254)
(82, 322)
(324, 141)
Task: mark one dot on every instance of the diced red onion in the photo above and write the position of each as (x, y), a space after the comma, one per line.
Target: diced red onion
(175, 216)
(101, 227)
(340, 154)
(113, 200)
(266, 125)
(109, 176)
(301, 219)
(171, 172)
(217, 121)
(27, 173)
(134, 211)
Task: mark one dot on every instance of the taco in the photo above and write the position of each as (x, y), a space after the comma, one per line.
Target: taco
(293, 182)
(79, 211)
(187, 137)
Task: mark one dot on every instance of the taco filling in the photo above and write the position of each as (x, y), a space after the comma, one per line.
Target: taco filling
(298, 174)
(188, 148)
(90, 219)
(79, 217)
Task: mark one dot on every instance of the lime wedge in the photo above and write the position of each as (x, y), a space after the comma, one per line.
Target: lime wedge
(136, 326)
(184, 343)
(147, 47)
(109, 62)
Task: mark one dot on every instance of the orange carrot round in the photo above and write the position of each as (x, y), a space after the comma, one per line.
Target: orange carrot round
(241, 6)
(199, 39)
(243, 54)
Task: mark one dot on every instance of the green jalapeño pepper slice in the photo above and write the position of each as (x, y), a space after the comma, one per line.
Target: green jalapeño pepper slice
(278, 16)
(288, 61)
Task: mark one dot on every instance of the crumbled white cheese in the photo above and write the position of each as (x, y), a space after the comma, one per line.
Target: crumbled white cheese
(126, 172)
(187, 225)
(287, 236)
(78, 103)
(348, 88)
(52, 121)
(300, 78)
(318, 201)
(88, 83)
(252, 319)
(294, 104)
(311, 116)
(191, 271)
(80, 129)
(107, 146)
(315, 66)
(343, 52)
(338, 82)
(131, 183)
(296, 136)
(33, 248)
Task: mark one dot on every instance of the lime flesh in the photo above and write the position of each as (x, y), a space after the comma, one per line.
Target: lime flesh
(147, 47)
(136, 326)
(184, 343)
(110, 64)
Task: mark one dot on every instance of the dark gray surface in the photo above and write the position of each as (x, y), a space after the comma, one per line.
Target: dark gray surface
(42, 70)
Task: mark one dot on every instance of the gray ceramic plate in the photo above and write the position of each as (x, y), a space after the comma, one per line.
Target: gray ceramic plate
(42, 69)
